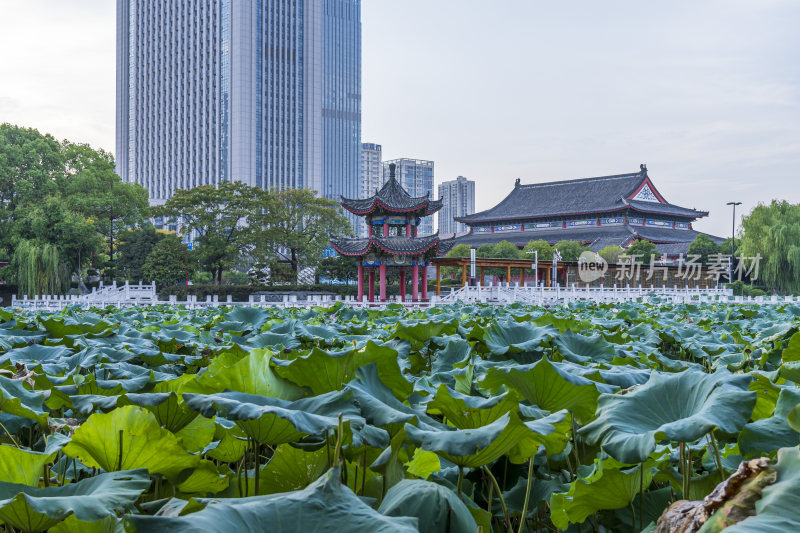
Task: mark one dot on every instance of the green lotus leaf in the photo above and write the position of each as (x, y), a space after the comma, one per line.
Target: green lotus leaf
(230, 441)
(21, 466)
(511, 337)
(325, 503)
(273, 421)
(793, 418)
(423, 464)
(377, 403)
(677, 407)
(73, 525)
(206, 478)
(456, 354)
(769, 434)
(15, 399)
(467, 412)
(60, 327)
(438, 509)
(126, 438)
(582, 348)
(322, 371)
(609, 486)
(36, 353)
(476, 447)
(250, 374)
(420, 332)
(548, 386)
(291, 469)
(792, 350)
(767, 395)
(33, 509)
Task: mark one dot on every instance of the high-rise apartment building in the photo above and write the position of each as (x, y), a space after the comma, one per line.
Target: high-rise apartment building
(371, 177)
(267, 92)
(458, 200)
(416, 177)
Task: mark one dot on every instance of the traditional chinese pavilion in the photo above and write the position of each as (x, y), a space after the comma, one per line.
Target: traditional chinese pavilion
(598, 212)
(393, 246)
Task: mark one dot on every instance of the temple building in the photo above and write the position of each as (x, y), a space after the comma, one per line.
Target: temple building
(597, 212)
(392, 246)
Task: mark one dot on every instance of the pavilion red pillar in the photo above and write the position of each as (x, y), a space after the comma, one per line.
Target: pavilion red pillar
(385, 229)
(408, 229)
(372, 285)
(402, 285)
(415, 282)
(383, 281)
(425, 282)
(360, 283)
(369, 228)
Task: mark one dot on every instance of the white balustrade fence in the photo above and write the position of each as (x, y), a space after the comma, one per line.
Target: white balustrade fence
(502, 294)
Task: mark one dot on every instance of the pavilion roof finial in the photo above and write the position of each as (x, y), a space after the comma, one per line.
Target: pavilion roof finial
(392, 167)
(643, 167)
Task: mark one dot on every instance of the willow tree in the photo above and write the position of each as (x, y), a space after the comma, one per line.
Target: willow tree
(773, 233)
(38, 269)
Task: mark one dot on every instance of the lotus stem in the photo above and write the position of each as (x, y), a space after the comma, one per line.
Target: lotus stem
(10, 436)
(460, 480)
(641, 494)
(256, 473)
(328, 446)
(338, 449)
(527, 495)
(500, 496)
(364, 473)
(119, 458)
(717, 455)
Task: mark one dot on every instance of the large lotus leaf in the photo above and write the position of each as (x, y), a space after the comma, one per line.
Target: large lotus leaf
(769, 434)
(419, 332)
(322, 371)
(437, 508)
(466, 412)
(32, 509)
(609, 486)
(792, 350)
(22, 466)
(73, 525)
(325, 504)
(290, 469)
(15, 399)
(36, 353)
(126, 438)
(230, 441)
(455, 354)
(60, 327)
(255, 317)
(476, 447)
(205, 478)
(511, 337)
(548, 386)
(251, 374)
(378, 404)
(778, 510)
(582, 348)
(767, 395)
(678, 407)
(273, 421)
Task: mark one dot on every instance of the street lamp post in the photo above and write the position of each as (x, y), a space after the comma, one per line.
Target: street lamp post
(535, 266)
(733, 240)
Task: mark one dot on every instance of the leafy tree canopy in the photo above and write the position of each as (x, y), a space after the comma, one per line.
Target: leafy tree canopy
(612, 254)
(134, 247)
(703, 246)
(570, 250)
(545, 251)
(773, 232)
(169, 262)
(643, 250)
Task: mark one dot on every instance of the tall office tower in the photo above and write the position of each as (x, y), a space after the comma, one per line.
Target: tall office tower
(267, 92)
(371, 177)
(458, 200)
(416, 177)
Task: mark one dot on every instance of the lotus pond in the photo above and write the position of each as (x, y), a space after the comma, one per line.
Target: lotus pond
(458, 418)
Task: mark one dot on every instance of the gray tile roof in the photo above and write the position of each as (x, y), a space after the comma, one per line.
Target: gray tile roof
(392, 198)
(391, 245)
(603, 194)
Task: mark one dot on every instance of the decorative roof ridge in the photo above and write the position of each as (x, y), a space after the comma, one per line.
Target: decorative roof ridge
(642, 173)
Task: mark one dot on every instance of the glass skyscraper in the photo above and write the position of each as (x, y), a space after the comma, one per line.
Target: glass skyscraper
(458, 200)
(267, 92)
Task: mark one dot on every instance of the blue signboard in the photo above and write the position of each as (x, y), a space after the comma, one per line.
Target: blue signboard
(658, 223)
(329, 252)
(542, 225)
(482, 229)
(580, 223)
(508, 227)
(635, 220)
(681, 225)
(612, 221)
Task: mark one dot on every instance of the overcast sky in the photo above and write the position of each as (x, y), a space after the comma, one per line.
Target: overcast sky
(707, 93)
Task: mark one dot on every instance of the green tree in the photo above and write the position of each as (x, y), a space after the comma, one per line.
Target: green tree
(484, 250)
(459, 250)
(570, 250)
(643, 249)
(31, 166)
(134, 247)
(545, 251)
(612, 254)
(222, 218)
(703, 246)
(96, 191)
(506, 250)
(294, 229)
(38, 269)
(169, 262)
(773, 233)
(340, 268)
(51, 222)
